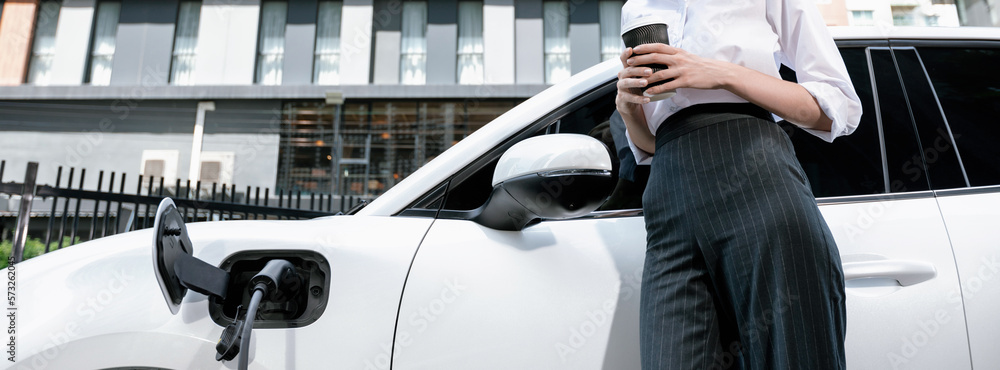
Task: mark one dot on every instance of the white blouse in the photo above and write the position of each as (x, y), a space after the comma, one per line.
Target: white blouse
(761, 35)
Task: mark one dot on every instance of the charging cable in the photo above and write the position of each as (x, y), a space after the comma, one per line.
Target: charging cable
(277, 277)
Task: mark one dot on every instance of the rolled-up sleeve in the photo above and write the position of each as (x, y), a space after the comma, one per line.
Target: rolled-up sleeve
(807, 47)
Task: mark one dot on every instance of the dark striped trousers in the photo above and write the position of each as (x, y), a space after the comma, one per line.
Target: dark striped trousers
(741, 270)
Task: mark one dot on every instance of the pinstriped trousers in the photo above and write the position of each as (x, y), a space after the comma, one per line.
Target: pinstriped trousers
(741, 270)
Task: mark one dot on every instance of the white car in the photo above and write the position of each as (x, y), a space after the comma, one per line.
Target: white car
(478, 262)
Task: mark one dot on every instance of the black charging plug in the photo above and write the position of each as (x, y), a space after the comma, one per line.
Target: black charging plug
(277, 280)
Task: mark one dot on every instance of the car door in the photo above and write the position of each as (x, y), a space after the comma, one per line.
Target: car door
(564, 294)
(558, 294)
(961, 85)
(873, 191)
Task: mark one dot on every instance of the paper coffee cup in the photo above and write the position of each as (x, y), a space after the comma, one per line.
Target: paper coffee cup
(648, 29)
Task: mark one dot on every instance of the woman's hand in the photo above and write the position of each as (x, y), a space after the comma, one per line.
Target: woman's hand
(629, 102)
(630, 79)
(688, 70)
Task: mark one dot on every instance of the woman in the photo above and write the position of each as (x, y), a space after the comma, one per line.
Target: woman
(741, 269)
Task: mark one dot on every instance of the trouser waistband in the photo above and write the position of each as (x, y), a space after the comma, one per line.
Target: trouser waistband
(703, 115)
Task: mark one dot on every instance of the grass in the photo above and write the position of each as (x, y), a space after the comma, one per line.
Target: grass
(32, 248)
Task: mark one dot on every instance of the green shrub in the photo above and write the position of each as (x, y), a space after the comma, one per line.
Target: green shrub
(32, 247)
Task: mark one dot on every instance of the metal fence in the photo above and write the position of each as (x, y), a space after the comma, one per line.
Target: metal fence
(73, 214)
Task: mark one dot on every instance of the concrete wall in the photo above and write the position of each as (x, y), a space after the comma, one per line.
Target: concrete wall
(442, 42)
(387, 24)
(355, 42)
(17, 24)
(300, 39)
(584, 35)
(498, 41)
(528, 40)
(144, 42)
(227, 42)
(111, 136)
(72, 42)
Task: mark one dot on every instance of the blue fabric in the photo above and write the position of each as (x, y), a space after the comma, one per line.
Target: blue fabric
(625, 156)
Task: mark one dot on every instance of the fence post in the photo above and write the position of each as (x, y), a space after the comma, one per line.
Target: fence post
(27, 195)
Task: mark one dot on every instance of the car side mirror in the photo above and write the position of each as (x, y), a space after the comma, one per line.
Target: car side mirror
(556, 176)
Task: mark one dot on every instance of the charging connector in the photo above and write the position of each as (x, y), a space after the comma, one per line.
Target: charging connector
(277, 280)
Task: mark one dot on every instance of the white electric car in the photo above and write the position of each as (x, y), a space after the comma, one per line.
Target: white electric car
(495, 255)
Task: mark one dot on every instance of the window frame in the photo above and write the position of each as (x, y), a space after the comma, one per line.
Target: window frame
(88, 72)
(548, 79)
(459, 53)
(953, 44)
(402, 43)
(316, 54)
(257, 78)
(171, 79)
(435, 196)
(34, 31)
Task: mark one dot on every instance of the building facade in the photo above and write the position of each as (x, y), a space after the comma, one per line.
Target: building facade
(320, 96)
(346, 97)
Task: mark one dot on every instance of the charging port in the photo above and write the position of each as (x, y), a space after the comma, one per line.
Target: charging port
(302, 306)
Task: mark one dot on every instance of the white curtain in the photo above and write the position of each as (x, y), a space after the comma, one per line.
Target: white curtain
(271, 46)
(326, 65)
(556, 24)
(611, 20)
(103, 49)
(470, 42)
(413, 53)
(43, 49)
(185, 43)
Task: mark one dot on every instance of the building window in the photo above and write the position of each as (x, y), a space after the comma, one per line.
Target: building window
(271, 42)
(413, 53)
(470, 42)
(902, 17)
(556, 29)
(611, 25)
(326, 62)
(43, 49)
(185, 42)
(862, 18)
(371, 145)
(102, 48)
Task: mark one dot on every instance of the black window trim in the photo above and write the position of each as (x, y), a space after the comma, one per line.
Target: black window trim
(497, 151)
(944, 116)
(878, 121)
(865, 198)
(985, 189)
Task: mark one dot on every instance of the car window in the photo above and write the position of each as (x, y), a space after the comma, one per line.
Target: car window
(851, 165)
(943, 168)
(967, 82)
(903, 157)
(588, 116)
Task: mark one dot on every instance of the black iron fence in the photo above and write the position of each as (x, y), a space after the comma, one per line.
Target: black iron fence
(51, 217)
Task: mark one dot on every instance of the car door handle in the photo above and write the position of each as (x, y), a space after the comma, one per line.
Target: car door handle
(905, 272)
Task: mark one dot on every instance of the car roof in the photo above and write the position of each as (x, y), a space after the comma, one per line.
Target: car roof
(920, 33)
